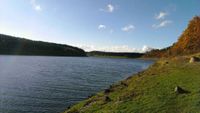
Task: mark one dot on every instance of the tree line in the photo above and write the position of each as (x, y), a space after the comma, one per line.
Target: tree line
(10, 45)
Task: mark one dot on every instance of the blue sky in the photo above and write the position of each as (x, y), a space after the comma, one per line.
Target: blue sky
(108, 25)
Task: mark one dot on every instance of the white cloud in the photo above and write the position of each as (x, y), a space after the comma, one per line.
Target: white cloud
(146, 49)
(119, 48)
(87, 47)
(128, 28)
(162, 24)
(161, 15)
(109, 8)
(38, 8)
(35, 5)
(123, 48)
(101, 26)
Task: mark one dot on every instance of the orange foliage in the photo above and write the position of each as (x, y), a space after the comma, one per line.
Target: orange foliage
(188, 42)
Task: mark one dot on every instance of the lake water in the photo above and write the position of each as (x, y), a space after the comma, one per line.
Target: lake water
(35, 84)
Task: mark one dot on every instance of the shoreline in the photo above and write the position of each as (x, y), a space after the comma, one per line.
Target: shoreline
(146, 86)
(117, 83)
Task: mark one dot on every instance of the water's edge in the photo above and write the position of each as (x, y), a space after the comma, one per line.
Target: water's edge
(131, 75)
(38, 84)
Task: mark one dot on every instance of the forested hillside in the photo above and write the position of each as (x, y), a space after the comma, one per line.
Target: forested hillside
(115, 54)
(188, 42)
(10, 45)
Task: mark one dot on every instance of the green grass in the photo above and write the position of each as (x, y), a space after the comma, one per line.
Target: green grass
(150, 91)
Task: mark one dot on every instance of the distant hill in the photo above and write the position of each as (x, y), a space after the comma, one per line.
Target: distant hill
(156, 53)
(10, 45)
(188, 42)
(115, 54)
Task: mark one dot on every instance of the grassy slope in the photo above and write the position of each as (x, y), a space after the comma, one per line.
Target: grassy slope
(150, 91)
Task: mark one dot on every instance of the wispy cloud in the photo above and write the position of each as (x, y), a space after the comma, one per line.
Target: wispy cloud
(162, 24)
(128, 28)
(109, 8)
(161, 15)
(117, 48)
(35, 5)
(101, 26)
(162, 20)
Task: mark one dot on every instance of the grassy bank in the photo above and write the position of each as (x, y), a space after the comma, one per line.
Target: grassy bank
(150, 91)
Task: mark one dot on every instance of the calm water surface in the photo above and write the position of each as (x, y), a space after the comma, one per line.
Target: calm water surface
(34, 84)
